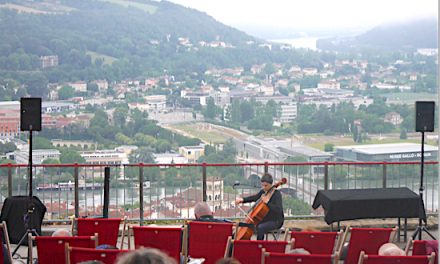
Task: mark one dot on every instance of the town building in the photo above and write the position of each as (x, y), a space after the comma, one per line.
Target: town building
(192, 153)
(156, 102)
(48, 61)
(214, 192)
(9, 123)
(38, 155)
(385, 152)
(288, 112)
(169, 158)
(83, 144)
(105, 156)
(79, 86)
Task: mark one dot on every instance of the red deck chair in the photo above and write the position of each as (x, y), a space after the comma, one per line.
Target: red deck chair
(52, 250)
(375, 259)
(316, 242)
(368, 240)
(108, 256)
(422, 247)
(166, 239)
(106, 228)
(249, 251)
(281, 258)
(4, 240)
(207, 240)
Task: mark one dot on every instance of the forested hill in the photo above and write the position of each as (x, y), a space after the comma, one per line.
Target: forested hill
(115, 39)
(410, 35)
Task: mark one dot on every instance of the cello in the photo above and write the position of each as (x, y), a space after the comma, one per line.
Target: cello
(256, 214)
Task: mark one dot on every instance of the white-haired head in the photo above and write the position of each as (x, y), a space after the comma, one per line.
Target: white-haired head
(61, 232)
(202, 209)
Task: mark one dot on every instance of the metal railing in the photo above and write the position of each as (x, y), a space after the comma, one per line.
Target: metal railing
(170, 191)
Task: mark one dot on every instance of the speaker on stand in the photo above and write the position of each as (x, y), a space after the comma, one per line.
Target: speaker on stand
(30, 120)
(425, 112)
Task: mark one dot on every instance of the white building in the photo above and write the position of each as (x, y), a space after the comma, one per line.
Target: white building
(329, 84)
(78, 86)
(106, 156)
(169, 158)
(38, 155)
(214, 192)
(288, 113)
(156, 102)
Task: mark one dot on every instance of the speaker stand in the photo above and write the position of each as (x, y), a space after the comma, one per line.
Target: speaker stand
(422, 228)
(31, 207)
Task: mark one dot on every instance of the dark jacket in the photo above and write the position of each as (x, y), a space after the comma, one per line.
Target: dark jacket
(210, 218)
(275, 205)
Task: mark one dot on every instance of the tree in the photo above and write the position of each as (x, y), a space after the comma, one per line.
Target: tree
(211, 109)
(7, 147)
(328, 147)
(297, 169)
(70, 157)
(296, 206)
(41, 143)
(66, 92)
(246, 111)
(403, 134)
(92, 87)
(51, 170)
(120, 116)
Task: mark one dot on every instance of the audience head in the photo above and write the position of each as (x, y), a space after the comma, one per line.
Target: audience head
(301, 251)
(202, 209)
(61, 232)
(390, 249)
(91, 262)
(145, 256)
(227, 261)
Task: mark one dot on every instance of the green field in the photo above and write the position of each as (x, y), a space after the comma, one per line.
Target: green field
(199, 131)
(144, 7)
(108, 60)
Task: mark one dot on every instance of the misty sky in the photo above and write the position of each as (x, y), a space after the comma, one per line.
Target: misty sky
(312, 14)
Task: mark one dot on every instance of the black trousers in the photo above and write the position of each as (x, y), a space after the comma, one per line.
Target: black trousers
(265, 227)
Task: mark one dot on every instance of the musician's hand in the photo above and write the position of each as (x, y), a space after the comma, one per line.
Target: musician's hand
(265, 198)
(238, 200)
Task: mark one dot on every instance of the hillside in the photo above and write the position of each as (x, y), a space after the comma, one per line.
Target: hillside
(409, 35)
(113, 39)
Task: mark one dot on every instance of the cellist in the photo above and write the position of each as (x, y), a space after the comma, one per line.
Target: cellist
(275, 217)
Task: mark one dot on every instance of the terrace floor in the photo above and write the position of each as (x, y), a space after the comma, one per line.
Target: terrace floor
(318, 224)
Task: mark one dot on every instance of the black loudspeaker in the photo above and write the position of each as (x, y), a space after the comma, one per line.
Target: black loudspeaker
(30, 114)
(21, 213)
(425, 116)
(106, 192)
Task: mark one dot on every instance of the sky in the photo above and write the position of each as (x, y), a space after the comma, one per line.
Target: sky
(312, 14)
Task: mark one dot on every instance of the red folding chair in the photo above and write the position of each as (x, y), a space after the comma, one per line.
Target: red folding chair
(4, 240)
(316, 242)
(422, 247)
(106, 228)
(207, 240)
(166, 239)
(368, 240)
(249, 251)
(108, 256)
(52, 250)
(281, 258)
(375, 259)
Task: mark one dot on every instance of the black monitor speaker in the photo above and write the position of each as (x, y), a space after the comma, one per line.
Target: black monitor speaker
(30, 114)
(425, 116)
